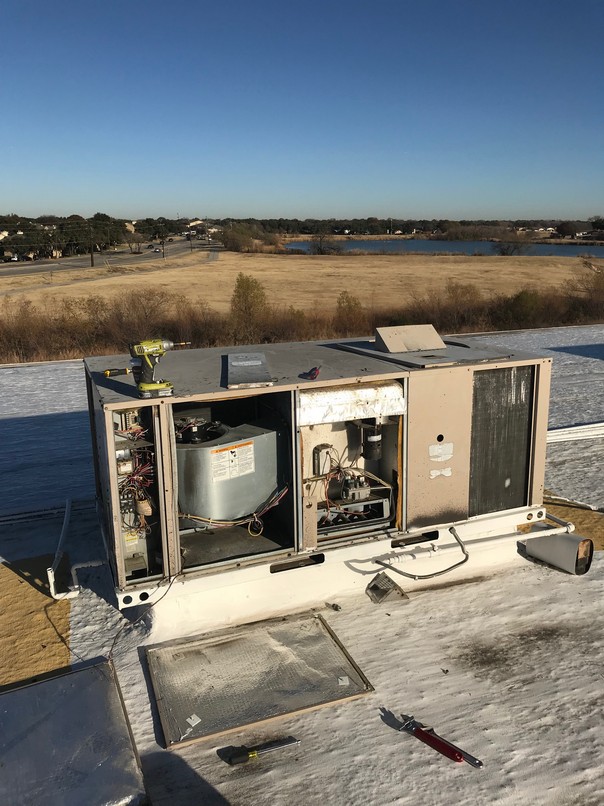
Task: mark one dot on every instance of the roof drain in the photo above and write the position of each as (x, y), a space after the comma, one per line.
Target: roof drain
(465, 559)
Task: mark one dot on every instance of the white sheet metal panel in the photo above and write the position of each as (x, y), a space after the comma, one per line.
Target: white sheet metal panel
(404, 338)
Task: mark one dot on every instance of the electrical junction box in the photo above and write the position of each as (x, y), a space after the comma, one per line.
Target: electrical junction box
(380, 456)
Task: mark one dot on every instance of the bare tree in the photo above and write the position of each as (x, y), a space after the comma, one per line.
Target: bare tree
(134, 241)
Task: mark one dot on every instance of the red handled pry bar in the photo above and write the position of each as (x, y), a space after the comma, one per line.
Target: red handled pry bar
(429, 737)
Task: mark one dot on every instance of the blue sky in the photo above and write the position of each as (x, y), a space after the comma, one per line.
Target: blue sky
(432, 108)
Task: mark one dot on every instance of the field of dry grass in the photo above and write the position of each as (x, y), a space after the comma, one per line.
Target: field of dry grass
(302, 281)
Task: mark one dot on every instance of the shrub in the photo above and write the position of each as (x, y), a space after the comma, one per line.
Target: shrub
(510, 248)
(94, 325)
(323, 244)
(249, 307)
(588, 294)
(350, 318)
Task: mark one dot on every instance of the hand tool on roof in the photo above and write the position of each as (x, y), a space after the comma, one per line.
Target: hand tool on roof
(429, 737)
(312, 374)
(242, 755)
(145, 357)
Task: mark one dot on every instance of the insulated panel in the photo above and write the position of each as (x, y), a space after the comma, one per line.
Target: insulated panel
(339, 404)
(501, 438)
(66, 742)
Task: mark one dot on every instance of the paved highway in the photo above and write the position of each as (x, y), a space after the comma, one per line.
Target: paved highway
(119, 257)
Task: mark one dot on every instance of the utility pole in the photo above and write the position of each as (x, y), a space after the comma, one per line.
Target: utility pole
(91, 246)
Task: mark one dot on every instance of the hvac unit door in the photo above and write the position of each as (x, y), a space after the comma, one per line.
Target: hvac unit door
(501, 438)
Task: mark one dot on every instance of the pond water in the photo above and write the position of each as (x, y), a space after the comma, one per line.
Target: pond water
(458, 247)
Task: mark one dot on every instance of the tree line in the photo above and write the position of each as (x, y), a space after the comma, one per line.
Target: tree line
(392, 226)
(52, 236)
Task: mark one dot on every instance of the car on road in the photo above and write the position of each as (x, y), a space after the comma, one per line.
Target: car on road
(157, 250)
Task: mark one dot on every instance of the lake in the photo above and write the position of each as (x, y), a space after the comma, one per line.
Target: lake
(426, 247)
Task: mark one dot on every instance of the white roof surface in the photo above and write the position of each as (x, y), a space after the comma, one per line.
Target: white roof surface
(508, 667)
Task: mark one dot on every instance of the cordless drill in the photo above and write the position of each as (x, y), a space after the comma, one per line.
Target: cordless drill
(145, 357)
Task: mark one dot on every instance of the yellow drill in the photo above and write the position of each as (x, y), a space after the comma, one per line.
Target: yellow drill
(145, 357)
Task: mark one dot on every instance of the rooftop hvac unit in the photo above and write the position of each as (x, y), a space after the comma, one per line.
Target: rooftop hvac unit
(336, 451)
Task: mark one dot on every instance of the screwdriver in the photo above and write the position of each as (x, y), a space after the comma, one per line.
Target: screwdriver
(241, 755)
(110, 373)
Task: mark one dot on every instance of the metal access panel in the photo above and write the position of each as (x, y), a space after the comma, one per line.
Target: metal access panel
(67, 742)
(219, 682)
(248, 371)
(502, 423)
(438, 425)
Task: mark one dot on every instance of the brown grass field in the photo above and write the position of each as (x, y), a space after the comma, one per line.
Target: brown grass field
(303, 281)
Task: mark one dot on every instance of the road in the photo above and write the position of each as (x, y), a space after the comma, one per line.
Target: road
(121, 257)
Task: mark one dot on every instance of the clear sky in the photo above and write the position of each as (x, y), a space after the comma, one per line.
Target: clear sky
(430, 108)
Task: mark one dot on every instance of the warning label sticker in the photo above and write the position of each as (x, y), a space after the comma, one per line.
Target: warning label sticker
(233, 461)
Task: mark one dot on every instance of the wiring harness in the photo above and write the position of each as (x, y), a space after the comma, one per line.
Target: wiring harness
(255, 525)
(352, 489)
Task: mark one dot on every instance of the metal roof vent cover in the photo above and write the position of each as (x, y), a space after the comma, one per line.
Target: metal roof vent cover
(407, 338)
